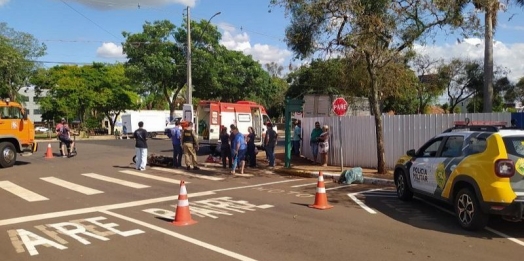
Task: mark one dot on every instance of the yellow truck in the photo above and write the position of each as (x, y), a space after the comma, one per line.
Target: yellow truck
(17, 133)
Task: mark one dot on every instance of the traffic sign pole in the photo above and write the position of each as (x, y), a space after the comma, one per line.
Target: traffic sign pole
(340, 139)
(340, 108)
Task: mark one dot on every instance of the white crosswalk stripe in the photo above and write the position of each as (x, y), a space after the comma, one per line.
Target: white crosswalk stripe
(26, 194)
(72, 186)
(116, 181)
(181, 172)
(149, 176)
(21, 192)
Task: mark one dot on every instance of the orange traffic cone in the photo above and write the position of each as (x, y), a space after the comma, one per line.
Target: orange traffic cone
(49, 152)
(321, 196)
(182, 215)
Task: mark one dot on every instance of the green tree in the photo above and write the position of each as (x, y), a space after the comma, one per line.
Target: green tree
(275, 104)
(17, 63)
(68, 92)
(377, 31)
(428, 86)
(461, 78)
(516, 93)
(155, 62)
(325, 77)
(81, 92)
(501, 86)
(490, 9)
(274, 69)
(115, 92)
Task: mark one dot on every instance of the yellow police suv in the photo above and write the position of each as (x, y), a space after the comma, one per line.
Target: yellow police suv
(477, 169)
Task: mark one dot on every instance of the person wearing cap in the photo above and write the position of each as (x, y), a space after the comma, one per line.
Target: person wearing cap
(64, 135)
(58, 127)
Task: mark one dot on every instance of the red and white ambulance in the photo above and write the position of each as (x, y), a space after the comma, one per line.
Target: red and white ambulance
(244, 114)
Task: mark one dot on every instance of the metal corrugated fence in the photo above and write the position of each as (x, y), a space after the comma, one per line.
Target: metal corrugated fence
(401, 133)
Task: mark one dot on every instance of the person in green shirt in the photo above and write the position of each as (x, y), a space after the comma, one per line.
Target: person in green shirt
(313, 142)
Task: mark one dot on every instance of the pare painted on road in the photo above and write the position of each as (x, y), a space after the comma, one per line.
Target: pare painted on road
(278, 191)
(211, 208)
(54, 235)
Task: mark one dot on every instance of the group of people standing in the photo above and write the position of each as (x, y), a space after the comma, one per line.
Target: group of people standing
(236, 149)
(319, 142)
(184, 142)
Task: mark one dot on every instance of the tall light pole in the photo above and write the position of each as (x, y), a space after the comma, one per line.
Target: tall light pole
(189, 76)
(189, 96)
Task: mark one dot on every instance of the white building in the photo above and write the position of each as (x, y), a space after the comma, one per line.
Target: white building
(30, 102)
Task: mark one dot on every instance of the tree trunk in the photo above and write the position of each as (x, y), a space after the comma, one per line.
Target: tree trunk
(488, 60)
(375, 108)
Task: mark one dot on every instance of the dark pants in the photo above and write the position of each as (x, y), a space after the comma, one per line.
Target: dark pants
(296, 147)
(225, 152)
(177, 155)
(251, 156)
(270, 152)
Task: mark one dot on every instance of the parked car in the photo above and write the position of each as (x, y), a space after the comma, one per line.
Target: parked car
(479, 170)
(41, 129)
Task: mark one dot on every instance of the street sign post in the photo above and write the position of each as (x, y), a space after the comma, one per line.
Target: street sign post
(340, 108)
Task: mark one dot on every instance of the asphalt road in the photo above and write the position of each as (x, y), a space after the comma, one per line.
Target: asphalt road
(95, 206)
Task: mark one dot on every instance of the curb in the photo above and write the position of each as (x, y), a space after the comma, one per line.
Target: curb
(330, 175)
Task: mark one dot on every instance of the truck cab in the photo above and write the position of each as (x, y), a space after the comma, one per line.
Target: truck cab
(17, 133)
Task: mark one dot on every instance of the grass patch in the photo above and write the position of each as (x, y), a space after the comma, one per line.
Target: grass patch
(43, 136)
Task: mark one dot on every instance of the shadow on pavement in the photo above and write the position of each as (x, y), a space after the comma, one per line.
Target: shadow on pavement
(130, 166)
(21, 163)
(433, 215)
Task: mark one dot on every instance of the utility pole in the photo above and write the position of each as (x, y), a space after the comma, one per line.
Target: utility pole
(188, 106)
(189, 76)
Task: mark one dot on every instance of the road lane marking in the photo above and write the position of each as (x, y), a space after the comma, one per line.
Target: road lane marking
(123, 205)
(116, 181)
(72, 212)
(339, 187)
(21, 192)
(181, 172)
(382, 194)
(148, 176)
(72, 186)
(512, 239)
(361, 204)
(496, 232)
(304, 185)
(181, 237)
(258, 185)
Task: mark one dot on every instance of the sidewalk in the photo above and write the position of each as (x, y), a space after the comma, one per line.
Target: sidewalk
(304, 168)
(96, 137)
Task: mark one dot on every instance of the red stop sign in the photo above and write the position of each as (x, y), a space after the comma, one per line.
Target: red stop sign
(340, 106)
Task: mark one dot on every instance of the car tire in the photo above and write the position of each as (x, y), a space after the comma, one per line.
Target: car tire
(402, 186)
(7, 154)
(468, 212)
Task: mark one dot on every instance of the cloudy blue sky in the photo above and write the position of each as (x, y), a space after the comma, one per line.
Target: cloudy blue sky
(83, 31)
